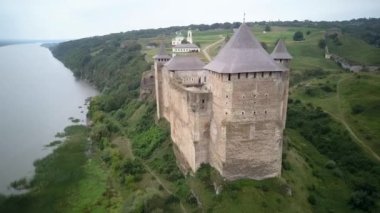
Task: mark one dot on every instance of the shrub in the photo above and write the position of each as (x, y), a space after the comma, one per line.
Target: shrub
(330, 164)
(298, 36)
(286, 165)
(132, 167)
(357, 108)
(312, 200)
(267, 28)
(361, 200)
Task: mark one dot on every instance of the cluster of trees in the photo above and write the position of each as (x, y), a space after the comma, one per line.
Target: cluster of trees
(102, 61)
(335, 39)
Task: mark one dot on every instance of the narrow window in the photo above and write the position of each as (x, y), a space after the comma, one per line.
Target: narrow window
(265, 112)
(229, 77)
(199, 80)
(242, 113)
(203, 100)
(226, 113)
(226, 96)
(204, 78)
(254, 112)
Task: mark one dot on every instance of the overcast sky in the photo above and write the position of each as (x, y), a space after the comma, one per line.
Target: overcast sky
(68, 19)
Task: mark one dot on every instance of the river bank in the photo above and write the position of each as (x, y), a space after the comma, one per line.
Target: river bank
(39, 95)
(65, 180)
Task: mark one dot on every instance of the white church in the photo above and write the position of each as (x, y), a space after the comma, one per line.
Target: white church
(189, 47)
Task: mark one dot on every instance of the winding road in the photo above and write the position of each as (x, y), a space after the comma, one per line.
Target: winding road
(204, 51)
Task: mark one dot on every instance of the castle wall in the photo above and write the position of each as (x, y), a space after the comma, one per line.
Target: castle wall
(247, 124)
(158, 88)
(188, 110)
(147, 85)
(192, 77)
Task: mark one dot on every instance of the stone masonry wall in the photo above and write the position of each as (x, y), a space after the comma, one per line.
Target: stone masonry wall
(188, 111)
(247, 124)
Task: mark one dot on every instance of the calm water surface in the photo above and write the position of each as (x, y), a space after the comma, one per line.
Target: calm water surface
(37, 96)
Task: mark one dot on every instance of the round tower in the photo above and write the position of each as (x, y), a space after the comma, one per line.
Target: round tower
(159, 60)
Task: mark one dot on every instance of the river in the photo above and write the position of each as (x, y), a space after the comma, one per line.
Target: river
(37, 97)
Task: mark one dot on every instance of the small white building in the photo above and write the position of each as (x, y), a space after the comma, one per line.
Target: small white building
(185, 48)
(179, 38)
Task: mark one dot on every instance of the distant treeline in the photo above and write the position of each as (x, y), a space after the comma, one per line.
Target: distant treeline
(363, 28)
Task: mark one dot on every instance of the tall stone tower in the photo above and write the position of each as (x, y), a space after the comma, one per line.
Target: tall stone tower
(159, 60)
(189, 36)
(249, 97)
(281, 55)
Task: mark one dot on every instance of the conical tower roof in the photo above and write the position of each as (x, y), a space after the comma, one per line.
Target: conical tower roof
(280, 51)
(243, 53)
(162, 53)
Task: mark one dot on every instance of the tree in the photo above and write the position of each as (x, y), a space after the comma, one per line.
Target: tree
(264, 45)
(267, 28)
(298, 36)
(357, 109)
(322, 43)
(227, 38)
(184, 41)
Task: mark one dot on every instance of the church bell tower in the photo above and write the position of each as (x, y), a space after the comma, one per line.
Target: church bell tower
(189, 36)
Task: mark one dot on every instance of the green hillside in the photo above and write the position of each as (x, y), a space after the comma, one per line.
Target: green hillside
(355, 50)
(132, 166)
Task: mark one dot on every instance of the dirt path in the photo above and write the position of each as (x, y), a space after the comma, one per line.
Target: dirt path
(126, 148)
(343, 121)
(211, 45)
(340, 118)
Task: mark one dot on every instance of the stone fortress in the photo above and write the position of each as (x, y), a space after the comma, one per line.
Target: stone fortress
(229, 113)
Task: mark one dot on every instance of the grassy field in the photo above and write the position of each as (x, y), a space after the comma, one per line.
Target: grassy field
(362, 90)
(355, 90)
(355, 50)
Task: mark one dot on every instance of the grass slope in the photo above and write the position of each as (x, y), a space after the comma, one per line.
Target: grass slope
(355, 50)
